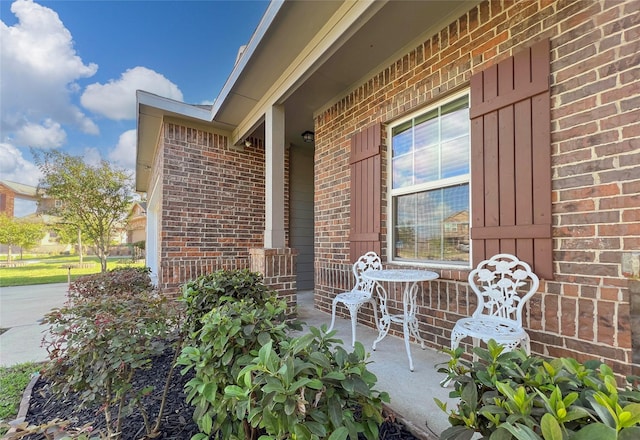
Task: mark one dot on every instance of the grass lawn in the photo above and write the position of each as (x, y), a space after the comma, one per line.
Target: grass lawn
(55, 269)
(13, 381)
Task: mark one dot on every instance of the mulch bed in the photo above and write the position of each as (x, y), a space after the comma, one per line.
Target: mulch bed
(177, 422)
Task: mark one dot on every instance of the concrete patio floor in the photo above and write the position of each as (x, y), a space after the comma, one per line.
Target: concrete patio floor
(411, 393)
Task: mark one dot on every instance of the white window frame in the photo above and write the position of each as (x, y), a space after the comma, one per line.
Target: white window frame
(443, 183)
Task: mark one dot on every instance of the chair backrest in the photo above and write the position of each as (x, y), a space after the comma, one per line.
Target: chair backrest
(368, 261)
(503, 285)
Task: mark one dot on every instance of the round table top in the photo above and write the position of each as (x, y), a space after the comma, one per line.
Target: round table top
(400, 275)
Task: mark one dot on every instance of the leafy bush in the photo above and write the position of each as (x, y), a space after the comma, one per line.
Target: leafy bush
(117, 282)
(309, 391)
(110, 327)
(230, 337)
(211, 290)
(508, 395)
(252, 379)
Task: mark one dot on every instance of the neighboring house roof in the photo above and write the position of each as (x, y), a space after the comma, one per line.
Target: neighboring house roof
(21, 190)
(336, 43)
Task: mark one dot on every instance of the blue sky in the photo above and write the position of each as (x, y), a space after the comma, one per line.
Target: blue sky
(69, 71)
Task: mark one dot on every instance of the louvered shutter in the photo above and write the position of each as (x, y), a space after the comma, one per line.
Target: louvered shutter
(365, 192)
(511, 160)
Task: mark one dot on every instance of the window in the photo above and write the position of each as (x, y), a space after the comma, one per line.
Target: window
(430, 184)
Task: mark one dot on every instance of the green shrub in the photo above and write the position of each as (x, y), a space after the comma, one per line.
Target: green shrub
(229, 338)
(117, 282)
(105, 333)
(306, 390)
(208, 291)
(507, 395)
(252, 379)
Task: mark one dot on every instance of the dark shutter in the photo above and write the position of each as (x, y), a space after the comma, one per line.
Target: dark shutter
(511, 160)
(366, 184)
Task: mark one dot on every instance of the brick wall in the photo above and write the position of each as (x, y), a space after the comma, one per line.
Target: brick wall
(212, 204)
(7, 201)
(585, 310)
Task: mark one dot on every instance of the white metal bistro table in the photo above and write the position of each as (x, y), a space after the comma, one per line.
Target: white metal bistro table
(410, 279)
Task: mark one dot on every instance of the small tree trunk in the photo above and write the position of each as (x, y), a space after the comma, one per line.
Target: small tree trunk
(80, 246)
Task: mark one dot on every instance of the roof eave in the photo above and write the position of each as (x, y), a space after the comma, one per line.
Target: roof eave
(151, 111)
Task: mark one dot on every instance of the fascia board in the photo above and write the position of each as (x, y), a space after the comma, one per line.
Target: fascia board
(166, 105)
(343, 23)
(256, 38)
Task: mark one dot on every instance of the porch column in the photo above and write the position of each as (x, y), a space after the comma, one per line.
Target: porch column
(275, 262)
(274, 174)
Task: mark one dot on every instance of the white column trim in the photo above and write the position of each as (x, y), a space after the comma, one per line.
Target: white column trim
(274, 178)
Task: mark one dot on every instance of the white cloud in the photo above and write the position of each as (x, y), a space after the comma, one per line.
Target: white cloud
(49, 134)
(125, 152)
(39, 68)
(117, 99)
(14, 167)
(91, 156)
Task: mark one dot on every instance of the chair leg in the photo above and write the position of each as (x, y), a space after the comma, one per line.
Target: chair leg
(374, 305)
(354, 321)
(334, 304)
(456, 337)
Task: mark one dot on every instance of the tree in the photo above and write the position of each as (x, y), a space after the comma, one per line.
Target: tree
(71, 234)
(19, 232)
(94, 199)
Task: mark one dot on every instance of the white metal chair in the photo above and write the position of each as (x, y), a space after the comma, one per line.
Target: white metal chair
(503, 285)
(360, 294)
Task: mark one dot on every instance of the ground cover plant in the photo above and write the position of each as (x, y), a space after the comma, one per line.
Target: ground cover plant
(509, 395)
(55, 269)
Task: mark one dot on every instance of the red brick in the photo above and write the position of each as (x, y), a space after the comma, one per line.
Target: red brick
(568, 322)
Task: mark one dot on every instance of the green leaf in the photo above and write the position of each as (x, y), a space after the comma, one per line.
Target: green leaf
(316, 428)
(550, 428)
(632, 433)
(335, 411)
(210, 391)
(302, 432)
(603, 411)
(235, 391)
(339, 434)
(335, 375)
(597, 431)
(521, 432)
(273, 385)
(457, 433)
(205, 423)
(470, 395)
(634, 415)
(501, 434)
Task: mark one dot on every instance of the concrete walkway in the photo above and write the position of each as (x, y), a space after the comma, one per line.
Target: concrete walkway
(412, 393)
(21, 311)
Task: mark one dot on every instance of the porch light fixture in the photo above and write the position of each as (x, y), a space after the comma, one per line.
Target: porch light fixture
(308, 136)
